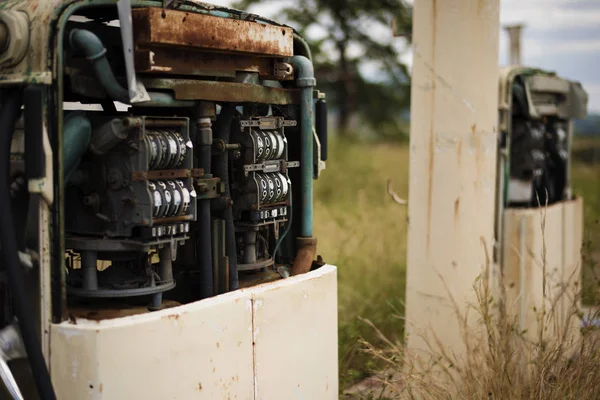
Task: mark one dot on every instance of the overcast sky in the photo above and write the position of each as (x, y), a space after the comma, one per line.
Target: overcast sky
(560, 35)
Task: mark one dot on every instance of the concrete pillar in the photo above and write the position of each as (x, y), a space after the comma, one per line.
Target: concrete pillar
(514, 43)
(454, 114)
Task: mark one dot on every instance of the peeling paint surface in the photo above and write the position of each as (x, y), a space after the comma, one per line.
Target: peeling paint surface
(178, 28)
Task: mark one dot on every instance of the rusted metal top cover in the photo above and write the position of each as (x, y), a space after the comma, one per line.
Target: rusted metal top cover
(159, 27)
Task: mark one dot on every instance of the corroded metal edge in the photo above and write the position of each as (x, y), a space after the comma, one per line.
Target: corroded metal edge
(154, 26)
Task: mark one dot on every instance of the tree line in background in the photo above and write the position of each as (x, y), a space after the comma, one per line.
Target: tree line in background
(346, 46)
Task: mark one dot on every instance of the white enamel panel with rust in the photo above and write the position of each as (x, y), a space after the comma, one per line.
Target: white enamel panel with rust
(263, 342)
(542, 266)
(295, 331)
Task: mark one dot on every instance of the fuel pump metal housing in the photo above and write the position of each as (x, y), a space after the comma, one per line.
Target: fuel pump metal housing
(161, 175)
(539, 220)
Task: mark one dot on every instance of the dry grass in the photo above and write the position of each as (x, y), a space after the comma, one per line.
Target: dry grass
(499, 360)
(363, 231)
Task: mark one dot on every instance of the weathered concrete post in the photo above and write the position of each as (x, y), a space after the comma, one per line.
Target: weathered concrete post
(452, 161)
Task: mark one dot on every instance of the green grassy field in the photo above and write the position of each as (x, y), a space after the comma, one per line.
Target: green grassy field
(362, 231)
(586, 183)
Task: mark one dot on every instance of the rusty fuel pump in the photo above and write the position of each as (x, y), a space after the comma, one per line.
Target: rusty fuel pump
(155, 155)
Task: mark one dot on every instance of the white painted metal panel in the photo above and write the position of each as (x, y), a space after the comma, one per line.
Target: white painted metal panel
(295, 329)
(218, 348)
(542, 244)
(198, 351)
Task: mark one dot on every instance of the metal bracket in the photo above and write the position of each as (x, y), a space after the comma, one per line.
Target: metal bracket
(268, 123)
(166, 174)
(207, 188)
(271, 166)
(319, 164)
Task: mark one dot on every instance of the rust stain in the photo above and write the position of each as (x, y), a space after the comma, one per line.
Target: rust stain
(434, 24)
(456, 210)
(100, 388)
(235, 92)
(177, 61)
(459, 151)
(477, 148)
(177, 28)
(430, 188)
(218, 345)
(199, 386)
(432, 133)
(118, 310)
(172, 317)
(481, 6)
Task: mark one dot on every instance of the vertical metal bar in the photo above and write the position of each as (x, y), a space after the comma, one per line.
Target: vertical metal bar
(568, 193)
(215, 256)
(165, 264)
(305, 80)
(45, 278)
(89, 260)
(204, 247)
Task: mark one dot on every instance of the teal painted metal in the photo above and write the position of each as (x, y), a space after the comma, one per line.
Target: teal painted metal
(303, 45)
(76, 140)
(305, 80)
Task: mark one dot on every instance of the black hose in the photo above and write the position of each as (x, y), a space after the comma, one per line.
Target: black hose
(10, 257)
(221, 169)
(88, 43)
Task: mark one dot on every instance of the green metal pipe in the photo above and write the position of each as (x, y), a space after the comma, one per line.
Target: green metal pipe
(305, 80)
(76, 140)
(92, 46)
(303, 45)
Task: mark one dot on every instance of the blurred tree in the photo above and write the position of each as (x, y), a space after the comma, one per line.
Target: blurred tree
(348, 38)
